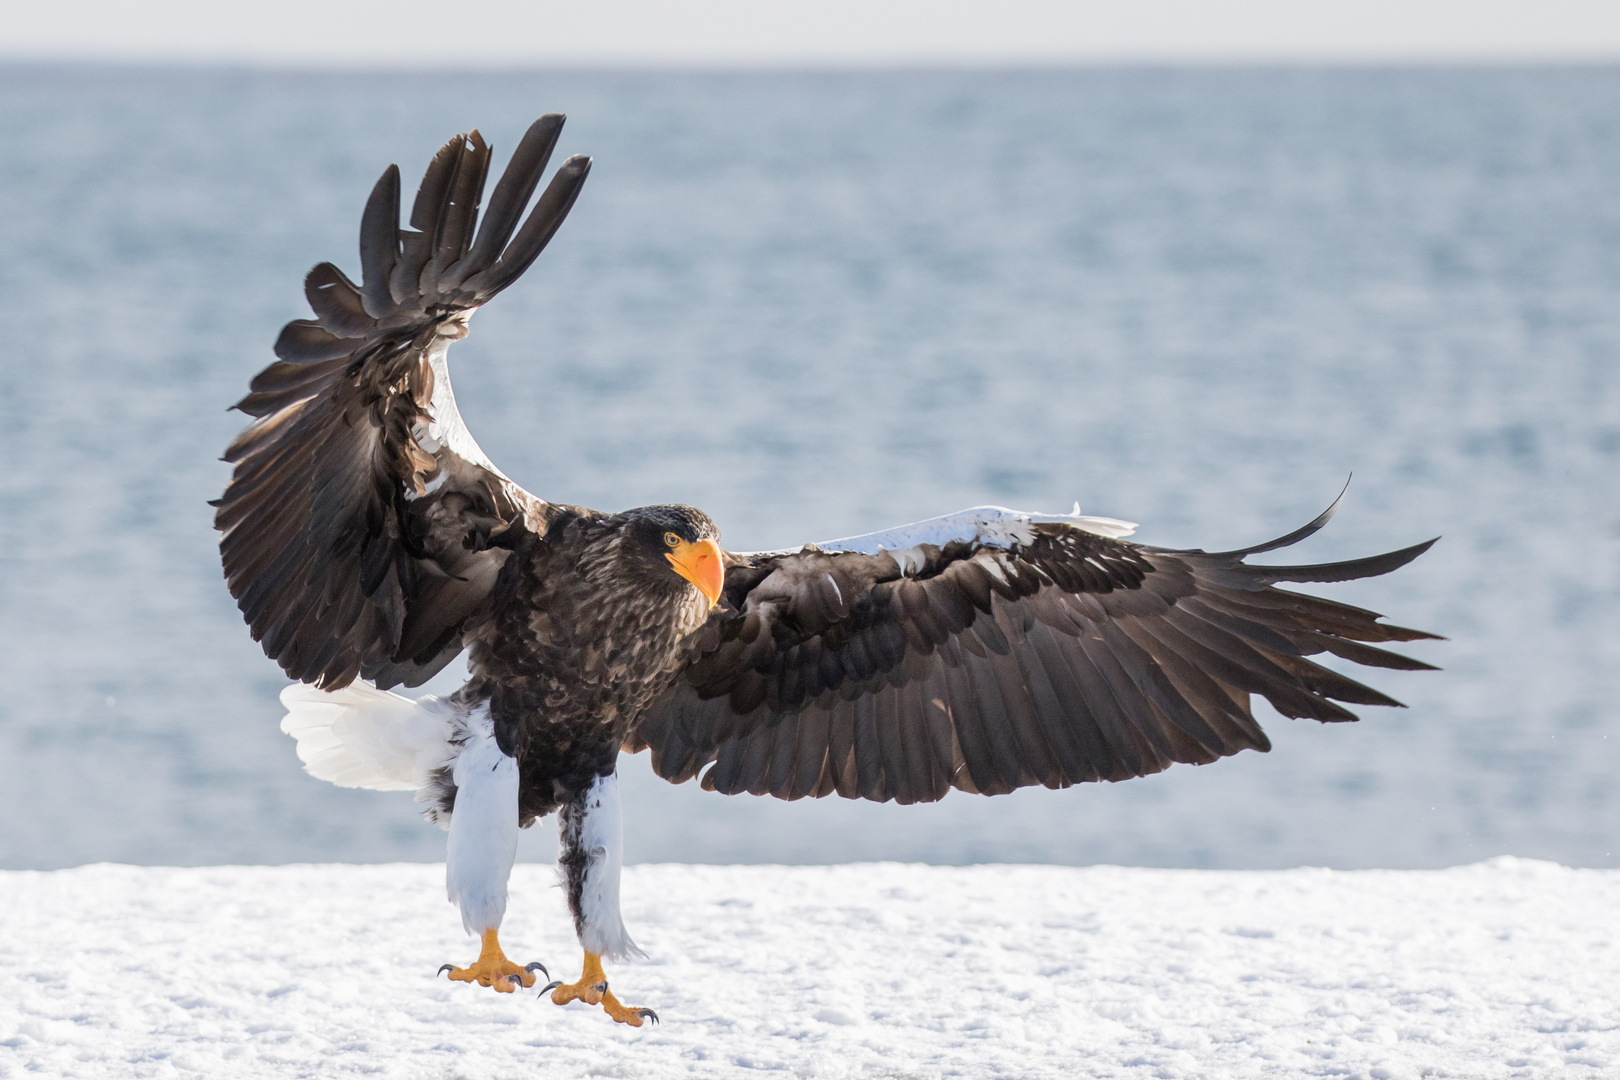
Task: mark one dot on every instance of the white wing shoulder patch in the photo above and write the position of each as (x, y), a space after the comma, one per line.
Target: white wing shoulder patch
(445, 428)
(991, 526)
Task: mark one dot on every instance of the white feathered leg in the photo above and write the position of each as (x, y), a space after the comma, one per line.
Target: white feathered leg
(590, 833)
(360, 736)
(481, 850)
(483, 827)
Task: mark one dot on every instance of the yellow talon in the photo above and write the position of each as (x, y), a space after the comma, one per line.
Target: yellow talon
(492, 968)
(592, 989)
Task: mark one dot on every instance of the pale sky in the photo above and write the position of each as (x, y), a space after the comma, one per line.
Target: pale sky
(762, 33)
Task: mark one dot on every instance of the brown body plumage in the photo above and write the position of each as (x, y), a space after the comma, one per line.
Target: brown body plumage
(581, 637)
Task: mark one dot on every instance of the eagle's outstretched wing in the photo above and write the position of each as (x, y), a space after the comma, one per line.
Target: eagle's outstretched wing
(991, 650)
(363, 525)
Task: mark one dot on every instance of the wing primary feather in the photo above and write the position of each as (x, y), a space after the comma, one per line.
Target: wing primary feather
(1311, 613)
(461, 203)
(513, 190)
(1366, 654)
(379, 244)
(294, 380)
(1289, 540)
(304, 341)
(1256, 633)
(336, 301)
(1328, 683)
(1349, 570)
(417, 245)
(537, 231)
(1238, 664)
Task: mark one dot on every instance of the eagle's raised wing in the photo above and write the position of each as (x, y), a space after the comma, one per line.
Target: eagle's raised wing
(363, 525)
(992, 649)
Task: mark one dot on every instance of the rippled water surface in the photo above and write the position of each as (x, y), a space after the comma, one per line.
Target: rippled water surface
(818, 305)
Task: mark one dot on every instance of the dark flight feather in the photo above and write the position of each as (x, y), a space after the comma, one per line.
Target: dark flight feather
(512, 193)
(352, 548)
(1068, 659)
(379, 244)
(542, 224)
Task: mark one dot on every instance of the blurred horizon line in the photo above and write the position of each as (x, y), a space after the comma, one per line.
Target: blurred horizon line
(665, 66)
(819, 34)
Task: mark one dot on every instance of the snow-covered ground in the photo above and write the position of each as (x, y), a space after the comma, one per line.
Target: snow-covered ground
(1507, 968)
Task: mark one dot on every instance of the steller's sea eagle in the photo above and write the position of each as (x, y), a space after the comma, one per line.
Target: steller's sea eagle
(367, 537)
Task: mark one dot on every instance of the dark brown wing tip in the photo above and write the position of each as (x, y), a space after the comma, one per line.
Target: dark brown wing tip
(1288, 540)
(1406, 633)
(1349, 570)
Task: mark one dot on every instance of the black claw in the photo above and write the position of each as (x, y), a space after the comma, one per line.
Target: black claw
(647, 1014)
(441, 971)
(537, 966)
(549, 986)
(601, 987)
(515, 979)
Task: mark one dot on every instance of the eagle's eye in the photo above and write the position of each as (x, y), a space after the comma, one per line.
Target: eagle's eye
(671, 539)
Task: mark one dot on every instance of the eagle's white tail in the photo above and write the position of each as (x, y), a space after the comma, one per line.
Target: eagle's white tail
(363, 737)
(360, 736)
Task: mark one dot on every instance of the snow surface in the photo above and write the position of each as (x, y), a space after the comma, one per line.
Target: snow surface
(1506, 968)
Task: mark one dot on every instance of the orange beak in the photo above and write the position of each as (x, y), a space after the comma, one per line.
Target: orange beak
(702, 565)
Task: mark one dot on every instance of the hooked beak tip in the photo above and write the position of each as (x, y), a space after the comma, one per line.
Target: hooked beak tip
(703, 565)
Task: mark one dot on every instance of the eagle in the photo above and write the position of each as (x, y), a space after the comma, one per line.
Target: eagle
(368, 542)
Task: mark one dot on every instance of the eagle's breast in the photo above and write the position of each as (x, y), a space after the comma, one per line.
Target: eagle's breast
(576, 647)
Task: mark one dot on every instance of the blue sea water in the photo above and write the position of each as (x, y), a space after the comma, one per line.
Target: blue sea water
(817, 304)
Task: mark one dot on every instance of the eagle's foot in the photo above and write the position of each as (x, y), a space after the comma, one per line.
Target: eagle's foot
(492, 968)
(592, 989)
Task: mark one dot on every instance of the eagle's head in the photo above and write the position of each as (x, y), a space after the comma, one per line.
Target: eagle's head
(668, 543)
